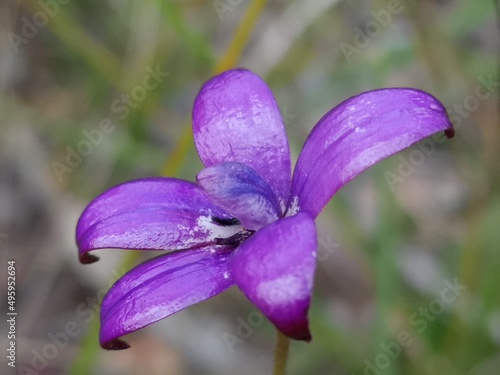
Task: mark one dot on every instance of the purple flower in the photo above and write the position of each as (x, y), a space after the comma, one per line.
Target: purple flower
(246, 222)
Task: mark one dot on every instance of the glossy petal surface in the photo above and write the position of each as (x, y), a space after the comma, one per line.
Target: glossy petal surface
(240, 191)
(153, 214)
(236, 118)
(358, 133)
(161, 287)
(275, 269)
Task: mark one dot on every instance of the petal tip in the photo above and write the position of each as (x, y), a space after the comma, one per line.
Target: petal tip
(87, 258)
(299, 333)
(116, 344)
(450, 132)
(302, 336)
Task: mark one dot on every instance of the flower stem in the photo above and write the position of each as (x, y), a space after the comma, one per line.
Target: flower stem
(281, 354)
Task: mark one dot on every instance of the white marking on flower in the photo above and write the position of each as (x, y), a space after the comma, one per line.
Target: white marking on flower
(434, 106)
(206, 230)
(284, 290)
(217, 231)
(294, 207)
(282, 205)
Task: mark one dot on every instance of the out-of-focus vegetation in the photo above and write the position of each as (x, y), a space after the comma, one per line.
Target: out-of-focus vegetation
(409, 267)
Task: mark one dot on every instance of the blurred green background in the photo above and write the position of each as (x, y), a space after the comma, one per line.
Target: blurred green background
(409, 268)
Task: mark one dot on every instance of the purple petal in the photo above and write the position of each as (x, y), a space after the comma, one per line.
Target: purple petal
(236, 118)
(153, 214)
(161, 287)
(358, 133)
(275, 269)
(240, 191)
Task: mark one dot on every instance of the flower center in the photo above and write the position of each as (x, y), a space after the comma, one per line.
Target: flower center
(237, 238)
(225, 222)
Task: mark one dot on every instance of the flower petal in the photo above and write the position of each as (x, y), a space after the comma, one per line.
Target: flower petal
(236, 118)
(240, 191)
(358, 133)
(153, 214)
(161, 287)
(275, 269)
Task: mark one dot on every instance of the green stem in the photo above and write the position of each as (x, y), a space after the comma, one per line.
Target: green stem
(281, 354)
